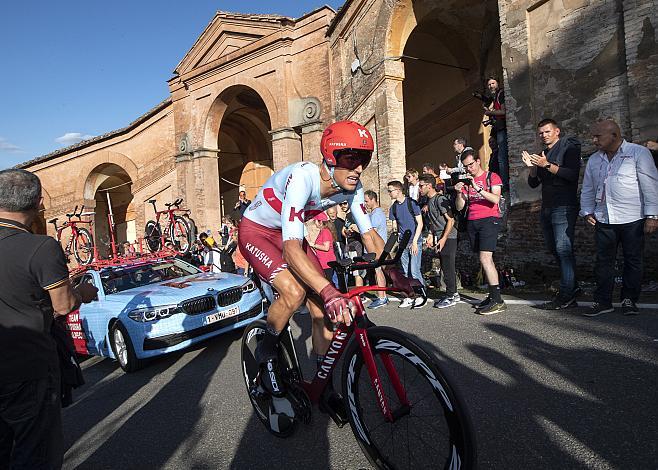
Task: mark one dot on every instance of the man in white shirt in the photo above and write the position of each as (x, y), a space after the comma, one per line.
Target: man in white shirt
(620, 199)
(413, 189)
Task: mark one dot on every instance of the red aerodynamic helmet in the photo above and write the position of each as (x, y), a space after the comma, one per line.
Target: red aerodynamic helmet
(343, 135)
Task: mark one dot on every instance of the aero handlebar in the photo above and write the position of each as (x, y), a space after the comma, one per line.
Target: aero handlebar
(368, 261)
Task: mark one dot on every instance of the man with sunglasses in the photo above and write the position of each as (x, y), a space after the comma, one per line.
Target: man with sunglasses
(272, 242)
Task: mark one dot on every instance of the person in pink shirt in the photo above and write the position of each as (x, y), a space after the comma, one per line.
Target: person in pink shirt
(481, 196)
(323, 245)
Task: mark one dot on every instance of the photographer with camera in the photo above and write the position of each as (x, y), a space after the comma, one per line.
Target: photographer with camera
(480, 191)
(494, 109)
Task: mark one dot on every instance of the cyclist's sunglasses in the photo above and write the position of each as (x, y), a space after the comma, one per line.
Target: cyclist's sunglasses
(351, 159)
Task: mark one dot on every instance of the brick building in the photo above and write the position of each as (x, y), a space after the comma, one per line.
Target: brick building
(255, 91)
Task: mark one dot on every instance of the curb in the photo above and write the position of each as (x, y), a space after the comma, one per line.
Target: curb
(537, 302)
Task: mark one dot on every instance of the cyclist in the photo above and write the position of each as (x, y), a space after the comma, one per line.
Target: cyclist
(272, 241)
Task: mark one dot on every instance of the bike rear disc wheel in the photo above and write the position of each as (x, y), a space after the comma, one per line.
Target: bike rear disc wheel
(83, 247)
(250, 369)
(153, 236)
(179, 234)
(435, 432)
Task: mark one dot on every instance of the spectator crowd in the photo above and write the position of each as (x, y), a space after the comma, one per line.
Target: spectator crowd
(459, 197)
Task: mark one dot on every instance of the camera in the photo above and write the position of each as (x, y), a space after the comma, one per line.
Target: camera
(485, 98)
(459, 177)
(488, 122)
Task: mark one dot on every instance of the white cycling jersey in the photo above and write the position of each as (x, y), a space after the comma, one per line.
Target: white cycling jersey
(291, 196)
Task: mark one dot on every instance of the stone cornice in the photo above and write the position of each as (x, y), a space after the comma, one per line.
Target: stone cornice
(284, 133)
(129, 131)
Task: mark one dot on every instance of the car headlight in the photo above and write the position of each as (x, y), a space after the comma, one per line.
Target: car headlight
(249, 287)
(153, 313)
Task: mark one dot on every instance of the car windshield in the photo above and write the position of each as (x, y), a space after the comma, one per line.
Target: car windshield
(118, 279)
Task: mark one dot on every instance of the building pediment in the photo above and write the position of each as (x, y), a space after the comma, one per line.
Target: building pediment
(226, 34)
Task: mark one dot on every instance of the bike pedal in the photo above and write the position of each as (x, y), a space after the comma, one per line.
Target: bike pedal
(335, 409)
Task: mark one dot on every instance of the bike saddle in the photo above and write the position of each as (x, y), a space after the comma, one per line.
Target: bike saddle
(53, 221)
(151, 201)
(69, 215)
(169, 204)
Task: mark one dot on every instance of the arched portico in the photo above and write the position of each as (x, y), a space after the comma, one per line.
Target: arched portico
(446, 51)
(245, 146)
(108, 189)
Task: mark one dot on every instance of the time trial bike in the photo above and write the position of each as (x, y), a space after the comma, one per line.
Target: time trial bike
(176, 229)
(401, 407)
(80, 243)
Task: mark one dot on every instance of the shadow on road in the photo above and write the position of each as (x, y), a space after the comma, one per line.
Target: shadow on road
(308, 447)
(146, 430)
(580, 407)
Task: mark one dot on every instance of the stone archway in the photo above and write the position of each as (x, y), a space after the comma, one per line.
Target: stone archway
(245, 146)
(109, 186)
(447, 49)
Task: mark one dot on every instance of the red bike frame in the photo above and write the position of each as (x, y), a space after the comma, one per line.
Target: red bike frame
(359, 327)
(342, 335)
(170, 211)
(74, 229)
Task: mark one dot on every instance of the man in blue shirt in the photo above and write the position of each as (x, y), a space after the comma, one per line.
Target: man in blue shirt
(405, 214)
(378, 221)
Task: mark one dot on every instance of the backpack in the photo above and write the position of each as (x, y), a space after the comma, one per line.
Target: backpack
(461, 216)
(502, 206)
(409, 205)
(226, 258)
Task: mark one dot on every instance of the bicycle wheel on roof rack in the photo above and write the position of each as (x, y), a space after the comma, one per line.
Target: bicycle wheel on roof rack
(153, 236)
(180, 235)
(432, 431)
(83, 247)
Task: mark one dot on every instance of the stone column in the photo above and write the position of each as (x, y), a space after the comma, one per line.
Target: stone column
(198, 180)
(640, 24)
(389, 112)
(311, 136)
(286, 147)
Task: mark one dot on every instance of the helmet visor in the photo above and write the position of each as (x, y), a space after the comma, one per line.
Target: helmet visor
(351, 159)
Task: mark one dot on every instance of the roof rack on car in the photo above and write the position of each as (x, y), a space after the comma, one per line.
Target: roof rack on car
(162, 255)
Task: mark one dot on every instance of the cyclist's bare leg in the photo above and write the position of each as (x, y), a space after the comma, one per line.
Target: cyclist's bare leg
(291, 296)
(321, 335)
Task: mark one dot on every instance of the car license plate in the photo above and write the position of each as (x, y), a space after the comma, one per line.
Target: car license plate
(215, 317)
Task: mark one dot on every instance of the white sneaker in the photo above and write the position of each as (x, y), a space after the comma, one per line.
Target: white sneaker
(417, 302)
(406, 303)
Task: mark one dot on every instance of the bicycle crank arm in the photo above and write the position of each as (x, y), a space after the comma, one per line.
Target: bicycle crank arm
(326, 408)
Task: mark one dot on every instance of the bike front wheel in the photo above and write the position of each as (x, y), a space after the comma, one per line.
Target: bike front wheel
(180, 235)
(431, 430)
(83, 247)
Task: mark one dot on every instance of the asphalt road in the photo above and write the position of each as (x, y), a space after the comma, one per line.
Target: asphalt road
(544, 389)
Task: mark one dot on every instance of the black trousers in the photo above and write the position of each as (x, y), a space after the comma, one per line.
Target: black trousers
(608, 237)
(31, 425)
(448, 256)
